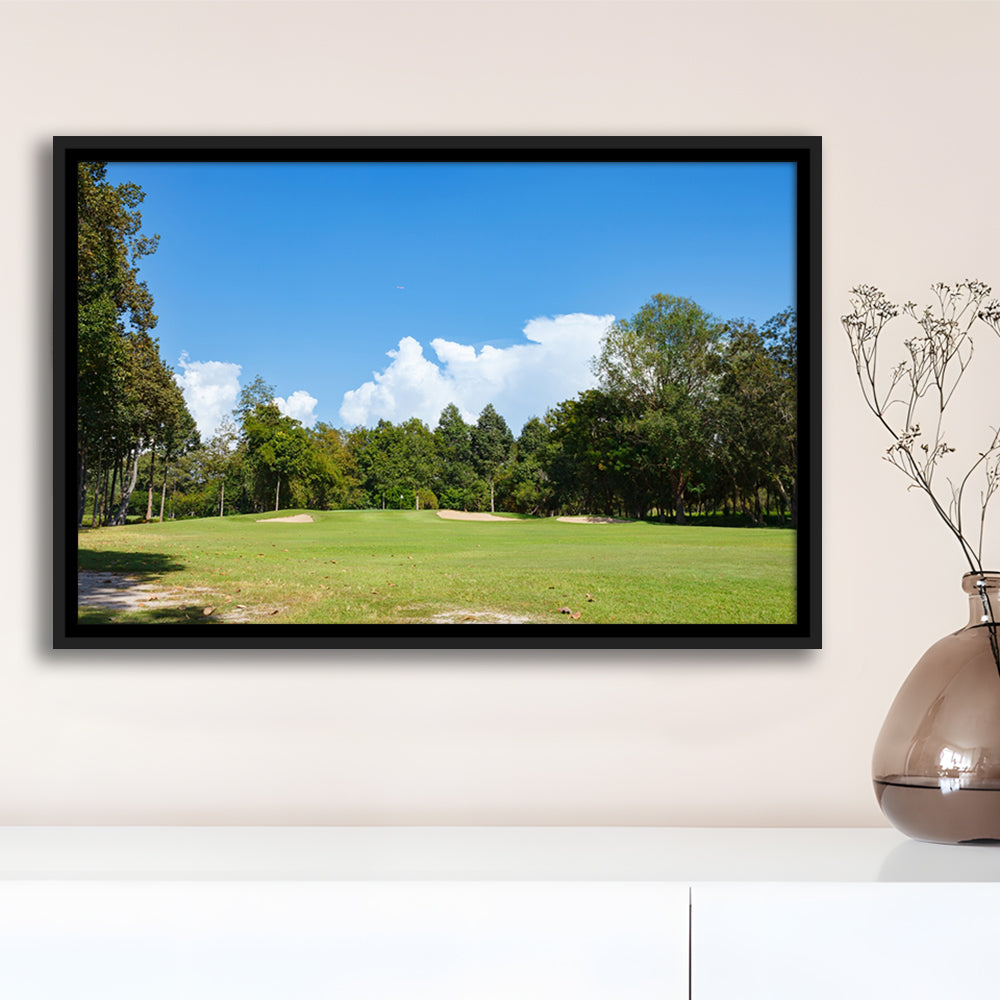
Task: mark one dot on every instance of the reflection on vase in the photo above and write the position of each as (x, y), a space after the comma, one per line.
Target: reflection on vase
(936, 765)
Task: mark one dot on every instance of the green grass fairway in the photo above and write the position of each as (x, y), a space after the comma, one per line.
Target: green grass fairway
(383, 567)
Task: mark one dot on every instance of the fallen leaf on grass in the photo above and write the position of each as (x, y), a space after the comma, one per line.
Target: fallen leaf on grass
(565, 611)
(575, 614)
(208, 611)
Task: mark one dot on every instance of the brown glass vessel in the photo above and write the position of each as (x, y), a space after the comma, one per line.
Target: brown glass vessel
(936, 765)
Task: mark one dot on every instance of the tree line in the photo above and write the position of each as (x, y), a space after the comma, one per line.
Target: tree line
(690, 414)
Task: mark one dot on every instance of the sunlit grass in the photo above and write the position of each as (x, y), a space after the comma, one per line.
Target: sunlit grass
(381, 567)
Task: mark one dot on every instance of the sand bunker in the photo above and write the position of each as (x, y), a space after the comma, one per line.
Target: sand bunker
(462, 515)
(592, 519)
(294, 519)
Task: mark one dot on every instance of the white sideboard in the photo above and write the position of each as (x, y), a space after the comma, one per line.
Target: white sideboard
(492, 914)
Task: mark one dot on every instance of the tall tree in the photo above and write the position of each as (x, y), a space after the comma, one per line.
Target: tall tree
(253, 395)
(418, 456)
(220, 458)
(379, 453)
(529, 486)
(781, 338)
(663, 363)
(111, 302)
(456, 479)
(179, 436)
(172, 430)
(395, 462)
(492, 442)
(152, 408)
(278, 449)
(595, 465)
(332, 480)
(755, 413)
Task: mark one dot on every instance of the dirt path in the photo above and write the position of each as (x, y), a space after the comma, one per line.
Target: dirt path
(121, 592)
(467, 616)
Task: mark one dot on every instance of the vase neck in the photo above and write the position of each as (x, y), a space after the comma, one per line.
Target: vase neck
(984, 597)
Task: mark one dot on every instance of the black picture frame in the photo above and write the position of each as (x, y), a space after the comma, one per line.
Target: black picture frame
(803, 152)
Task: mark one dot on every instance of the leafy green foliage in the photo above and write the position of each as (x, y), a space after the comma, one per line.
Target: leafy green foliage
(458, 486)
(277, 450)
(491, 443)
(253, 395)
(127, 398)
(660, 366)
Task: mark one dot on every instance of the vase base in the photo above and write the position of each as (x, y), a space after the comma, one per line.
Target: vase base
(941, 814)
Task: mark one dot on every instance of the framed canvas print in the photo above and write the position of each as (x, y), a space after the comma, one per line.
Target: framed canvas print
(355, 392)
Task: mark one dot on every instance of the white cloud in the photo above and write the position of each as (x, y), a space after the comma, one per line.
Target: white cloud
(210, 389)
(300, 406)
(521, 381)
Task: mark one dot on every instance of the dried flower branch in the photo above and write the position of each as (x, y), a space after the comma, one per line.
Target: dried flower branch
(910, 400)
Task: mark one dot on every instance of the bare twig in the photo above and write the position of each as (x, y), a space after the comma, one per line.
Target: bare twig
(916, 392)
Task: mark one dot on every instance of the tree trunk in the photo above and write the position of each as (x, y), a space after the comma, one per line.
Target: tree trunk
(152, 469)
(163, 489)
(108, 498)
(492, 507)
(97, 487)
(277, 493)
(102, 500)
(222, 497)
(122, 510)
(81, 484)
(679, 504)
(789, 501)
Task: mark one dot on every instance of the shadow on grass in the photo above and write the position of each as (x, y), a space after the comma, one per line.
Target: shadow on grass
(190, 614)
(725, 521)
(138, 563)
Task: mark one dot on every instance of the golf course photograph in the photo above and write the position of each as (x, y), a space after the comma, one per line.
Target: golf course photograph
(392, 390)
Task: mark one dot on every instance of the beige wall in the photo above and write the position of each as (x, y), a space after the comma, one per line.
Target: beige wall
(904, 95)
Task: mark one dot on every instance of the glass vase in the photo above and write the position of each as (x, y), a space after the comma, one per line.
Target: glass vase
(936, 766)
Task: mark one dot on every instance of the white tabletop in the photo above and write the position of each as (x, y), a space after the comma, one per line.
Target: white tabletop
(487, 854)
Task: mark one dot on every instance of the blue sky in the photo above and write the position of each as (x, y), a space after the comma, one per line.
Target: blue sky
(362, 291)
